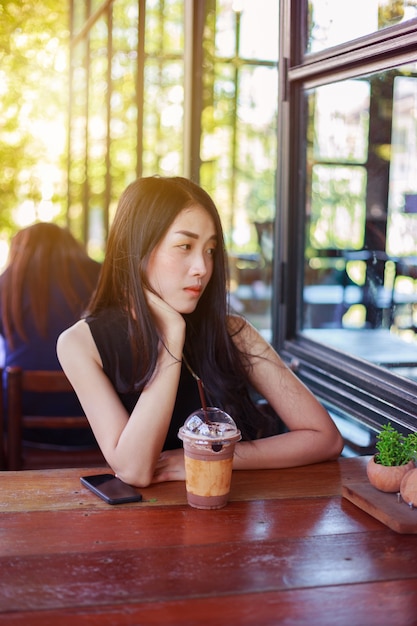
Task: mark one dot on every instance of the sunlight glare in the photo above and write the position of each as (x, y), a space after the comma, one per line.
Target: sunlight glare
(47, 210)
(25, 214)
(241, 232)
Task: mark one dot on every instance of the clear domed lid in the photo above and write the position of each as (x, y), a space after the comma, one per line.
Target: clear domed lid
(211, 424)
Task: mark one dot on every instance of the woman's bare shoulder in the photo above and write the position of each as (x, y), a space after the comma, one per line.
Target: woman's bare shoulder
(75, 346)
(77, 332)
(76, 339)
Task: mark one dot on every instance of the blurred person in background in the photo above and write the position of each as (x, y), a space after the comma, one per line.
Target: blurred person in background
(47, 282)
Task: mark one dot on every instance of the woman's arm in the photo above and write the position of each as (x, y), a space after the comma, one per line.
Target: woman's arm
(312, 435)
(131, 445)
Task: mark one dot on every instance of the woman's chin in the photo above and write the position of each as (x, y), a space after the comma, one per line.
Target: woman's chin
(186, 309)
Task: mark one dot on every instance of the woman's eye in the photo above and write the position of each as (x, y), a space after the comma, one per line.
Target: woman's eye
(185, 246)
(211, 251)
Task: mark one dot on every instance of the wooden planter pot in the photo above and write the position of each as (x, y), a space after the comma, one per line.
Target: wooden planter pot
(387, 478)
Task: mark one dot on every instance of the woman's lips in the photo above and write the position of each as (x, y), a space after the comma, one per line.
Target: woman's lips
(194, 290)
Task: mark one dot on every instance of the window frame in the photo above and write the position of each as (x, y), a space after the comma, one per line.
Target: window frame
(348, 386)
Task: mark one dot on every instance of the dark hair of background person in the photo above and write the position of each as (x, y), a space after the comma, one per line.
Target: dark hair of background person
(41, 255)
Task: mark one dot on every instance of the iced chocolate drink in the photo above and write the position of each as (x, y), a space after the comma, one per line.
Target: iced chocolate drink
(209, 436)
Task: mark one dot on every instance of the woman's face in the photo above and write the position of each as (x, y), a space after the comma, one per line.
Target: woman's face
(181, 265)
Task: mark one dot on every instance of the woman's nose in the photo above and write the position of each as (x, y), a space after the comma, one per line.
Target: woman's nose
(199, 265)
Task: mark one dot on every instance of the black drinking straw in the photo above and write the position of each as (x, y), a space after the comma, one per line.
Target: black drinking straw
(200, 389)
(202, 398)
(215, 446)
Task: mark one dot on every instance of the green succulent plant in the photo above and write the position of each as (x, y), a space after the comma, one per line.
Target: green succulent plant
(394, 448)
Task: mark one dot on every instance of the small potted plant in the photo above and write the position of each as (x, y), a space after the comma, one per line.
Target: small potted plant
(395, 457)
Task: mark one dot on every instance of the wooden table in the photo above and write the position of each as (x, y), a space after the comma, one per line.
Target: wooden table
(287, 549)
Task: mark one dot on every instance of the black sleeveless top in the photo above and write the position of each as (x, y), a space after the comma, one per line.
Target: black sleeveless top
(110, 334)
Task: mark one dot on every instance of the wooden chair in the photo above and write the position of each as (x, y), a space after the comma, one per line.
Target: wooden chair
(23, 455)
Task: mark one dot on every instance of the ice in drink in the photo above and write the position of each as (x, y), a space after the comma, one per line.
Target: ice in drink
(209, 437)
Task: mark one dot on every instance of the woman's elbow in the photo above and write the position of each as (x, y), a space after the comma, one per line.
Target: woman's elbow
(133, 469)
(133, 476)
(334, 446)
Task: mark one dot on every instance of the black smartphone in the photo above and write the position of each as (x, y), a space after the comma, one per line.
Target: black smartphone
(111, 489)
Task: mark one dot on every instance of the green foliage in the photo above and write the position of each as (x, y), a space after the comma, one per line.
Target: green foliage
(33, 101)
(390, 13)
(394, 448)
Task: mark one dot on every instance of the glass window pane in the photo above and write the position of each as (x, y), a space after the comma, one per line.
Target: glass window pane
(123, 102)
(97, 133)
(337, 207)
(239, 146)
(258, 30)
(224, 28)
(402, 196)
(77, 138)
(332, 23)
(163, 118)
(360, 278)
(163, 107)
(341, 122)
(164, 27)
(248, 28)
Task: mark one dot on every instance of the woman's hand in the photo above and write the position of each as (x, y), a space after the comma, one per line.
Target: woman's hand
(170, 323)
(170, 466)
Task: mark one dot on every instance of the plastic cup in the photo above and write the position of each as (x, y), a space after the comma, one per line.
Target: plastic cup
(209, 437)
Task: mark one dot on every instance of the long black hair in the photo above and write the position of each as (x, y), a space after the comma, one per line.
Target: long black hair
(146, 210)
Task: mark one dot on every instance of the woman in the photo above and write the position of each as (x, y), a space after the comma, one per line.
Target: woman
(44, 289)
(158, 318)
